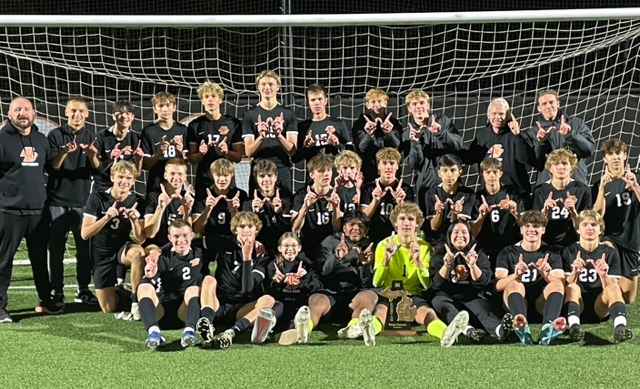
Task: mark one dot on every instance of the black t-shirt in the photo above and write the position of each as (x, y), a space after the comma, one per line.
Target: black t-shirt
(317, 224)
(116, 233)
(500, 228)
(219, 222)
(173, 211)
(622, 214)
(105, 143)
(381, 226)
(320, 131)
(273, 224)
(151, 137)
(176, 273)
(510, 255)
(439, 236)
(589, 280)
(271, 147)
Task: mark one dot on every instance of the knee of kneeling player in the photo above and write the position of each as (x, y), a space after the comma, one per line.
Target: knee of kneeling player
(265, 301)
(145, 290)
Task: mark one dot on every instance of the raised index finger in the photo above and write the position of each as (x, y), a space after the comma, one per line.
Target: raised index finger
(388, 116)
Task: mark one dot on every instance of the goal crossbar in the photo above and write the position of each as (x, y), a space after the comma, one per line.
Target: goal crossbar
(388, 19)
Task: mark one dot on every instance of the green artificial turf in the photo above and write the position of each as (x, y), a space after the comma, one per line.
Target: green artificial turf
(84, 348)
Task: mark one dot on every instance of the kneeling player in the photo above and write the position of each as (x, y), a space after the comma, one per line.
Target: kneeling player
(531, 276)
(593, 271)
(171, 286)
(405, 257)
(235, 295)
(110, 216)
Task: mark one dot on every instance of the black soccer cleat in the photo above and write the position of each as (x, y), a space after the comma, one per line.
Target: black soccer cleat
(506, 327)
(476, 334)
(576, 333)
(205, 329)
(224, 340)
(622, 333)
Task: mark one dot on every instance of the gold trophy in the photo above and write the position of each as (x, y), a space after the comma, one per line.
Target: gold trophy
(401, 312)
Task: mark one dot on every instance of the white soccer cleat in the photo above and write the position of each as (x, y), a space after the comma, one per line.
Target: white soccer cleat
(264, 324)
(454, 329)
(350, 332)
(366, 327)
(301, 321)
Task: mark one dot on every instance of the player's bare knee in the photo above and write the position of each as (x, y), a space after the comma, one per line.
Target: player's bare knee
(265, 301)
(514, 287)
(572, 293)
(145, 290)
(191, 292)
(209, 282)
(318, 300)
(554, 287)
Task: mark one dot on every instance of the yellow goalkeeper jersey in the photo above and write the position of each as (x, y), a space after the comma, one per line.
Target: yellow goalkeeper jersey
(402, 268)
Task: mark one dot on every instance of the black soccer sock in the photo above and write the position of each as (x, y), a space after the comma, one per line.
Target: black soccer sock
(148, 313)
(278, 309)
(618, 313)
(516, 304)
(193, 312)
(573, 313)
(134, 298)
(121, 271)
(552, 307)
(209, 313)
(241, 325)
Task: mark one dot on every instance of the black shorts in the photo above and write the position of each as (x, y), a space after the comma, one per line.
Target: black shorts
(340, 311)
(628, 262)
(588, 314)
(226, 314)
(104, 269)
(170, 320)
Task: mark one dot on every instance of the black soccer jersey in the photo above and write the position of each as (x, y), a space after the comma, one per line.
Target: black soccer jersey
(560, 232)
(219, 222)
(381, 226)
(349, 199)
(105, 143)
(151, 137)
(317, 224)
(589, 280)
(622, 214)
(71, 184)
(436, 237)
(203, 129)
(367, 146)
(509, 256)
(320, 131)
(116, 233)
(232, 288)
(292, 287)
(273, 224)
(271, 147)
(345, 275)
(176, 273)
(500, 228)
(174, 211)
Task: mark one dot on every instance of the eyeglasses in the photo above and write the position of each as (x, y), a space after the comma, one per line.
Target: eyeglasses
(290, 246)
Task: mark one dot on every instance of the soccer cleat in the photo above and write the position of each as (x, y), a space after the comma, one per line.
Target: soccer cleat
(4, 317)
(224, 340)
(576, 333)
(476, 334)
(85, 296)
(264, 324)
(48, 307)
(188, 339)
(350, 332)
(454, 329)
(205, 330)
(622, 333)
(506, 327)
(135, 312)
(522, 329)
(301, 321)
(58, 300)
(154, 340)
(365, 323)
(551, 331)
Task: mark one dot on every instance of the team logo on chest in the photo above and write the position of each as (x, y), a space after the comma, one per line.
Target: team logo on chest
(29, 156)
(194, 262)
(224, 130)
(495, 151)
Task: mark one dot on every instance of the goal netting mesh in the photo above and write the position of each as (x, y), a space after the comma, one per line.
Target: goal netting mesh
(593, 64)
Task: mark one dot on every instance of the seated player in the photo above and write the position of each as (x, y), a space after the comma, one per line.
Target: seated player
(429, 136)
(561, 199)
(380, 197)
(212, 214)
(235, 297)
(322, 133)
(531, 277)
(459, 277)
(592, 270)
(405, 257)
(110, 216)
(448, 201)
(617, 199)
(271, 204)
(162, 140)
(375, 130)
(116, 143)
(170, 288)
(270, 131)
(292, 281)
(212, 136)
(344, 262)
(170, 202)
(315, 210)
(497, 208)
(349, 181)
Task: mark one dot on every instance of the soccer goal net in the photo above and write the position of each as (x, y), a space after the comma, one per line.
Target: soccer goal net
(462, 64)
